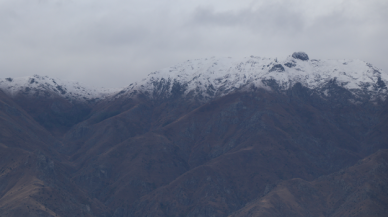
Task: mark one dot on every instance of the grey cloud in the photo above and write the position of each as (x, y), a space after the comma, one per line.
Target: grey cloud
(268, 18)
(115, 43)
(336, 34)
(116, 35)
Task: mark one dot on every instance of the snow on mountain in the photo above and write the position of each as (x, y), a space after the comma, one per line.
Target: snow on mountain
(213, 77)
(44, 86)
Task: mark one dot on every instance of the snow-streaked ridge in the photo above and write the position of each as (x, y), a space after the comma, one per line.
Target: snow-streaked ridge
(49, 87)
(213, 77)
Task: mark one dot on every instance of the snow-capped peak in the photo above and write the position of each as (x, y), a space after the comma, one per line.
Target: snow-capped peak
(49, 87)
(213, 77)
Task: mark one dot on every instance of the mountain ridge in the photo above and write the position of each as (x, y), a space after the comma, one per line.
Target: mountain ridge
(45, 86)
(213, 77)
(204, 79)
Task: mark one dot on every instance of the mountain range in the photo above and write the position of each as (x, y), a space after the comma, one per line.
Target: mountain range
(208, 137)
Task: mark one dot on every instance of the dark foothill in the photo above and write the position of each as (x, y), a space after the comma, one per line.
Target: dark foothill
(300, 55)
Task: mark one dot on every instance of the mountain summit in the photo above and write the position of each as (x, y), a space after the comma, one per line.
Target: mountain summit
(44, 86)
(205, 79)
(213, 77)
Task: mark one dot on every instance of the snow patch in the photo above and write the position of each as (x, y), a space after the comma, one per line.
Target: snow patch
(42, 85)
(213, 77)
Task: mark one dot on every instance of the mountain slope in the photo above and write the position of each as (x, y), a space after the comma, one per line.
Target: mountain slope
(33, 178)
(241, 143)
(207, 137)
(57, 105)
(360, 190)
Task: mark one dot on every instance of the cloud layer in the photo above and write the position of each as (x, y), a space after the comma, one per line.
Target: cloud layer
(114, 43)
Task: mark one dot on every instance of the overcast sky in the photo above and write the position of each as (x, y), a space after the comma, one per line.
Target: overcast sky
(113, 43)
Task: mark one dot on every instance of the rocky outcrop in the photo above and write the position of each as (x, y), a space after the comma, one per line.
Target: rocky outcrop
(301, 56)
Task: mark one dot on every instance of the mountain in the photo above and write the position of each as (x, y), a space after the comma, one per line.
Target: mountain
(33, 177)
(213, 77)
(209, 137)
(56, 105)
(43, 86)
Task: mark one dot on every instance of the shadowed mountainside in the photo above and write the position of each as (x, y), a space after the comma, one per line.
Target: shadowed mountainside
(34, 180)
(157, 157)
(359, 190)
(177, 156)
